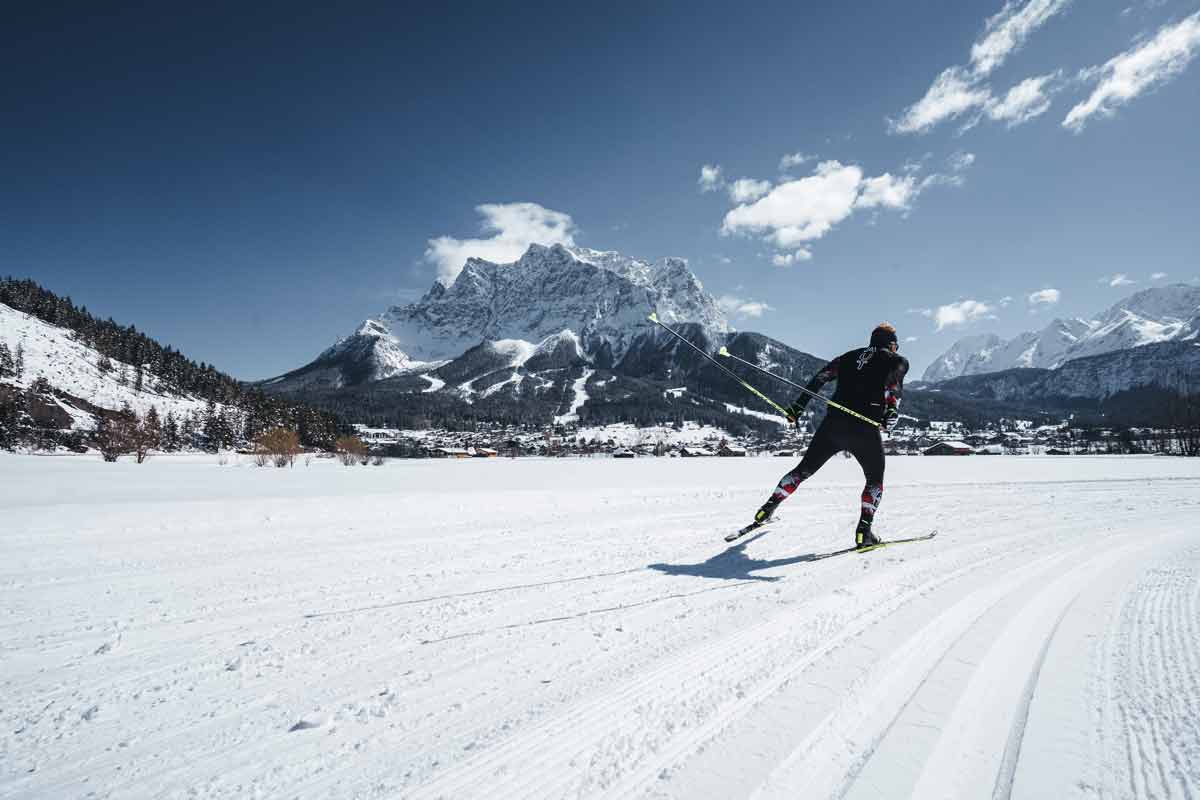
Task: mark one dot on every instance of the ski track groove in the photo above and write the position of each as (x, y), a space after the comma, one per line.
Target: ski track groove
(556, 740)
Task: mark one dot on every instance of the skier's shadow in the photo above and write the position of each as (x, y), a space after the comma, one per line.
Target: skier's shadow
(734, 564)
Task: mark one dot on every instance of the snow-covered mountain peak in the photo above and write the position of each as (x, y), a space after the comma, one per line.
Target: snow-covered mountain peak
(600, 298)
(1160, 314)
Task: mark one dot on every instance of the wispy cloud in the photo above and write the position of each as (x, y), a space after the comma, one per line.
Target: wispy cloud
(514, 226)
(743, 190)
(960, 313)
(1045, 297)
(1158, 276)
(960, 161)
(1004, 301)
(1119, 279)
(1008, 30)
(1141, 68)
(710, 178)
(960, 90)
(788, 259)
(1027, 100)
(741, 307)
(794, 160)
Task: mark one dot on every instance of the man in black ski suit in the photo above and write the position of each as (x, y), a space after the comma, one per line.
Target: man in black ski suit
(869, 381)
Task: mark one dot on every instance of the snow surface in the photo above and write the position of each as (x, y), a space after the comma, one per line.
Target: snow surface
(72, 367)
(579, 396)
(576, 628)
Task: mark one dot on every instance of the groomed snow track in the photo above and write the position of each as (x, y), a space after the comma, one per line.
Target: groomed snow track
(587, 634)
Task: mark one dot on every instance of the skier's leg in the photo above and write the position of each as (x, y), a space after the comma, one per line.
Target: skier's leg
(821, 449)
(868, 451)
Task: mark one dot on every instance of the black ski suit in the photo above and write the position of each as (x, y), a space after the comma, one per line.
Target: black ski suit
(869, 380)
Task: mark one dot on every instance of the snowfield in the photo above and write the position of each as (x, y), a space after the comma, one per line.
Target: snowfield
(577, 628)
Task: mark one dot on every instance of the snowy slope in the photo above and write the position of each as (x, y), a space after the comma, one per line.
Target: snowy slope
(1164, 314)
(52, 353)
(576, 628)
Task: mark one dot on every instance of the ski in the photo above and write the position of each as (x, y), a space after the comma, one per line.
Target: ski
(753, 526)
(887, 542)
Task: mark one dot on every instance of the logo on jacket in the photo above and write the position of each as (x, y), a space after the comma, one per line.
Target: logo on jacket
(864, 357)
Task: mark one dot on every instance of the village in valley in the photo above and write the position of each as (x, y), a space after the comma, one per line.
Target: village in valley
(1010, 437)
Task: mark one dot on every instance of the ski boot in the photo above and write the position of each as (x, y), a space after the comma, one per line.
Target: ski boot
(864, 539)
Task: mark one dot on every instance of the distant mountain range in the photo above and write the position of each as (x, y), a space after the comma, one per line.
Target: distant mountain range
(562, 335)
(1153, 316)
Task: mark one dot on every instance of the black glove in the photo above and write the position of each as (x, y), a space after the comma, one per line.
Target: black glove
(796, 409)
(890, 415)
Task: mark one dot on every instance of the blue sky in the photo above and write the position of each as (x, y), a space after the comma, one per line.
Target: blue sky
(247, 185)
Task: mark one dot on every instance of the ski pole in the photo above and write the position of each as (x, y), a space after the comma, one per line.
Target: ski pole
(722, 367)
(724, 352)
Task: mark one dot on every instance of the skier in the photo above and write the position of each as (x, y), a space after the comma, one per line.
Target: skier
(869, 381)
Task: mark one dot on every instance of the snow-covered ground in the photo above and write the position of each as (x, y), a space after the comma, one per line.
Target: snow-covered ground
(577, 628)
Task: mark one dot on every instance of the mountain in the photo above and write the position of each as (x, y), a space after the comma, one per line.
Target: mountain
(559, 335)
(1134, 386)
(551, 295)
(76, 369)
(1164, 314)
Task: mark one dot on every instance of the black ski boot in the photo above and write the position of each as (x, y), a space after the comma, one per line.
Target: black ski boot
(863, 538)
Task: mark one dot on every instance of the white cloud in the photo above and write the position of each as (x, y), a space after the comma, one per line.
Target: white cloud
(952, 94)
(799, 211)
(710, 178)
(794, 160)
(514, 226)
(1158, 276)
(908, 339)
(960, 160)
(887, 191)
(1045, 297)
(1028, 99)
(1008, 30)
(1004, 301)
(743, 190)
(1119, 279)
(742, 308)
(959, 90)
(788, 259)
(1127, 75)
(960, 313)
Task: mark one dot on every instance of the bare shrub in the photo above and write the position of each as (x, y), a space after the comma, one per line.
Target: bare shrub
(352, 450)
(377, 460)
(278, 446)
(116, 434)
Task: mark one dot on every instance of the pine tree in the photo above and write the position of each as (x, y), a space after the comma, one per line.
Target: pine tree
(19, 361)
(7, 365)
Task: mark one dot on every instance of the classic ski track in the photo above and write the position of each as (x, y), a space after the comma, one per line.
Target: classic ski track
(572, 732)
(1159, 627)
(325, 782)
(830, 758)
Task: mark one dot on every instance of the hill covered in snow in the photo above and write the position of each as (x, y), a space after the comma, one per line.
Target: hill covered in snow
(63, 370)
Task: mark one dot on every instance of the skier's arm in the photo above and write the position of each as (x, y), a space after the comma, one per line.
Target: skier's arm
(893, 388)
(826, 374)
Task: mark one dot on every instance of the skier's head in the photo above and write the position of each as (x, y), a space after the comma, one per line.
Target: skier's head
(884, 337)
